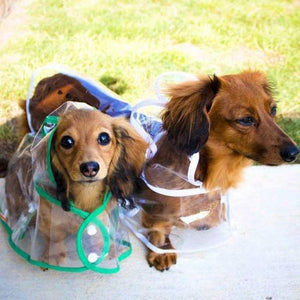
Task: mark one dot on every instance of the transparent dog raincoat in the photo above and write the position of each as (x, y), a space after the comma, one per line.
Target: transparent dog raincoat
(199, 221)
(40, 230)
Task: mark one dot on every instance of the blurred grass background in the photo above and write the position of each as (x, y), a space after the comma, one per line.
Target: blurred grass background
(127, 44)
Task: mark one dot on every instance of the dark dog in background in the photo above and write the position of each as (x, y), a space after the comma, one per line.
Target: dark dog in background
(230, 120)
(49, 94)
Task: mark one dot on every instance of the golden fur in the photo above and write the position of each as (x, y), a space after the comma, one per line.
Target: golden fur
(120, 161)
(230, 120)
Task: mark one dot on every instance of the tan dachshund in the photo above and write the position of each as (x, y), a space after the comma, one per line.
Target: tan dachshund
(90, 151)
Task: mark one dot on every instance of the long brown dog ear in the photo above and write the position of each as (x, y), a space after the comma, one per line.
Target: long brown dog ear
(186, 115)
(128, 160)
(60, 178)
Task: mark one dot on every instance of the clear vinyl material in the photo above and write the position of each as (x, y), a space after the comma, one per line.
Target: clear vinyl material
(197, 221)
(40, 230)
(97, 241)
(172, 202)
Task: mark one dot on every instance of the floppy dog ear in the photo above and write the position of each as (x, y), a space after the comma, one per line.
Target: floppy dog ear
(186, 115)
(128, 160)
(62, 190)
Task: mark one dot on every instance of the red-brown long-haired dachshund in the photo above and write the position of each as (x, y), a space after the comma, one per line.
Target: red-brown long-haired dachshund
(230, 120)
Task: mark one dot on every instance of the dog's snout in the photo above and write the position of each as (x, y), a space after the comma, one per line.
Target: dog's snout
(89, 169)
(289, 153)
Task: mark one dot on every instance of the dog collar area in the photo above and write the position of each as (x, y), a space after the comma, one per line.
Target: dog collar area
(190, 178)
(174, 192)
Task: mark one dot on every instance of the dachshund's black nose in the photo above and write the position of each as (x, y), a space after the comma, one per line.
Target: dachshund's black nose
(289, 153)
(89, 169)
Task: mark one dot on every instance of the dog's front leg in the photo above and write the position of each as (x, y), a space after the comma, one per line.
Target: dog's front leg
(55, 251)
(163, 261)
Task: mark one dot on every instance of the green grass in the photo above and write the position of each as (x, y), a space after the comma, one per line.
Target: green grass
(135, 41)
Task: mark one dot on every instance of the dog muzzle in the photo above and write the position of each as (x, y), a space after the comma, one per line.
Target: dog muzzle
(81, 241)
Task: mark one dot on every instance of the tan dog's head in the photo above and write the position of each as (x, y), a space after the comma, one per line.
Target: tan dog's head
(89, 146)
(235, 113)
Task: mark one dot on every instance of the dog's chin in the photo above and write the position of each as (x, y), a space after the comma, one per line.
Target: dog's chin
(88, 181)
(265, 161)
(253, 158)
(81, 180)
(78, 178)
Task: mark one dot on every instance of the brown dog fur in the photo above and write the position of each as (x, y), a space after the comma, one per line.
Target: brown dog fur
(120, 163)
(49, 94)
(230, 120)
(201, 116)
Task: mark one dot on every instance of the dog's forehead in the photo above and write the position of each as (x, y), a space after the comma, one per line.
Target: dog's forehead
(85, 121)
(248, 88)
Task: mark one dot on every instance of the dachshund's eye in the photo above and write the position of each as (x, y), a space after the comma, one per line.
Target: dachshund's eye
(67, 142)
(103, 138)
(247, 121)
(273, 111)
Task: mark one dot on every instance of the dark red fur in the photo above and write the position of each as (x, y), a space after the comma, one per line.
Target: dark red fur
(205, 115)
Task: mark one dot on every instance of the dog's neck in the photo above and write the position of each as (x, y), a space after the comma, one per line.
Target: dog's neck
(87, 196)
(220, 167)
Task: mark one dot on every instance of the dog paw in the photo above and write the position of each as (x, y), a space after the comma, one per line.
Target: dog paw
(54, 259)
(57, 259)
(161, 262)
(203, 227)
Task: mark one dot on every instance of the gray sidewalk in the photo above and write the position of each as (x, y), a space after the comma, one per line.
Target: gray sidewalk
(260, 261)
